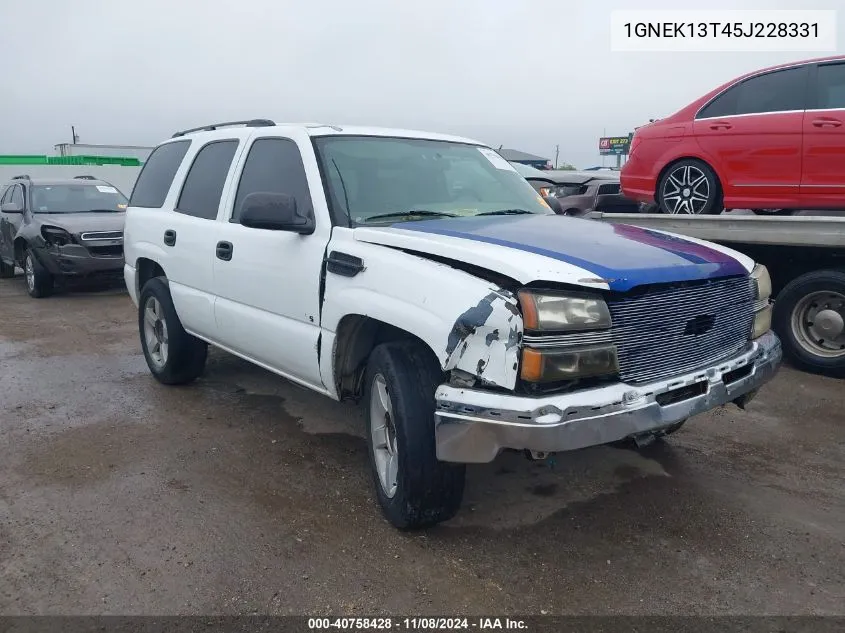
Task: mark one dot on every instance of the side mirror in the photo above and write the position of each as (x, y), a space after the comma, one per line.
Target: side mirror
(274, 212)
(554, 203)
(11, 207)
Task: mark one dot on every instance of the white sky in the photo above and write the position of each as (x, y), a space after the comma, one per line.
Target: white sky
(527, 74)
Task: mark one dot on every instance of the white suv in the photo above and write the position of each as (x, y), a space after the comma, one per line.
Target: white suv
(420, 273)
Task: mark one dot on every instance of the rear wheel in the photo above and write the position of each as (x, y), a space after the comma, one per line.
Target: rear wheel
(689, 186)
(173, 356)
(809, 317)
(413, 488)
(39, 282)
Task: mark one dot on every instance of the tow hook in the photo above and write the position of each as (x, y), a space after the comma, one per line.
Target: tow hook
(745, 398)
(644, 439)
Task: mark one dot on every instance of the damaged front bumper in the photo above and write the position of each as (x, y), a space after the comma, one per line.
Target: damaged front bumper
(473, 426)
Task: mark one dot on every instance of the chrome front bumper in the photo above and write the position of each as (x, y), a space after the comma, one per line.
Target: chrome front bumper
(473, 426)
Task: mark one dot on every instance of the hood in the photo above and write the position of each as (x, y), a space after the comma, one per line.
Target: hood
(80, 222)
(559, 248)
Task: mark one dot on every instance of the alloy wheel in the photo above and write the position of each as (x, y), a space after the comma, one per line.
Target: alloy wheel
(155, 332)
(383, 433)
(686, 190)
(29, 269)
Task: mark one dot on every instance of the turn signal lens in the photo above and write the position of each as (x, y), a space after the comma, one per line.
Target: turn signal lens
(762, 322)
(557, 365)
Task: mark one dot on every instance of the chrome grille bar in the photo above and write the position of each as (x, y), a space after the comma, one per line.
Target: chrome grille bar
(668, 331)
(101, 235)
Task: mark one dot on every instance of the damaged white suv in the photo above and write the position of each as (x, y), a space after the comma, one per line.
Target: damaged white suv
(422, 275)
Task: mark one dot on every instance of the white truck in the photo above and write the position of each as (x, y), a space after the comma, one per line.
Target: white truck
(421, 274)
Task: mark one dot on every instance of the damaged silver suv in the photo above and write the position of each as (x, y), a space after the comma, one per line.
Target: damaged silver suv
(57, 230)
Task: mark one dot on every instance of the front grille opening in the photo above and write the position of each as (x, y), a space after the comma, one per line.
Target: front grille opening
(684, 393)
(737, 374)
(106, 251)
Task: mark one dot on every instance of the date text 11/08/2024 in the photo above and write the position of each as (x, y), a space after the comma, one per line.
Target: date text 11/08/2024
(722, 29)
(420, 624)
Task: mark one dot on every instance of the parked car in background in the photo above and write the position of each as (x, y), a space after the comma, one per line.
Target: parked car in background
(57, 230)
(422, 276)
(771, 140)
(580, 191)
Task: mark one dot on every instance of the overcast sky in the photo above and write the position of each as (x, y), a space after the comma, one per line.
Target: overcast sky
(527, 74)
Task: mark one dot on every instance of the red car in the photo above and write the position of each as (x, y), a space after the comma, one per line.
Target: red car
(771, 139)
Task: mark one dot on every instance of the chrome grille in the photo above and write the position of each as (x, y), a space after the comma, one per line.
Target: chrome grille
(102, 235)
(665, 332)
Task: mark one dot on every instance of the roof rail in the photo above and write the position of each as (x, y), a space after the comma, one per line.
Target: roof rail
(85, 178)
(21, 177)
(214, 126)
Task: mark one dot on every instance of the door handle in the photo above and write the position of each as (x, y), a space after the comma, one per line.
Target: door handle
(721, 126)
(826, 123)
(224, 251)
(169, 238)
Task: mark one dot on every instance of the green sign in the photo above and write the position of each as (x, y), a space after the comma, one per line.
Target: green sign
(613, 145)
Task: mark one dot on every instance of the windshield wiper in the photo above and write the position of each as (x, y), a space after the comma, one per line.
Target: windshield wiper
(413, 213)
(506, 212)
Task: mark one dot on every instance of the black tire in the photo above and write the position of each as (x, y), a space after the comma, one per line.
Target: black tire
(789, 305)
(7, 271)
(427, 491)
(39, 282)
(670, 204)
(184, 359)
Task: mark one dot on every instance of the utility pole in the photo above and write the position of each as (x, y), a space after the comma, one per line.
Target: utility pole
(557, 155)
(73, 133)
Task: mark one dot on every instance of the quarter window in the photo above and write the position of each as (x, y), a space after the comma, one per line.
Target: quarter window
(831, 90)
(274, 165)
(204, 183)
(157, 175)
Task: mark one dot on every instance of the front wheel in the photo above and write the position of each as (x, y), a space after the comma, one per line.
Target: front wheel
(39, 281)
(413, 488)
(689, 187)
(173, 356)
(809, 316)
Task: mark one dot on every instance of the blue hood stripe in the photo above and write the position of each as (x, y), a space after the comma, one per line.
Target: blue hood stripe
(625, 256)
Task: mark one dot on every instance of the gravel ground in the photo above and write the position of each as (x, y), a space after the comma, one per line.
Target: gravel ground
(246, 494)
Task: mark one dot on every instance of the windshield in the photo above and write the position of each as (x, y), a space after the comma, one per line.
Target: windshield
(81, 198)
(382, 180)
(526, 170)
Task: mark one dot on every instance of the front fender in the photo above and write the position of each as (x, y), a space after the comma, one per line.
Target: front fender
(470, 324)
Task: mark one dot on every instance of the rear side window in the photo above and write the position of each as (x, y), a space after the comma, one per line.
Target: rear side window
(831, 87)
(7, 195)
(779, 91)
(773, 92)
(203, 186)
(157, 175)
(274, 165)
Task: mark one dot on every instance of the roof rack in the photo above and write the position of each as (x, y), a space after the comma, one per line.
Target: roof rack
(214, 126)
(21, 177)
(85, 178)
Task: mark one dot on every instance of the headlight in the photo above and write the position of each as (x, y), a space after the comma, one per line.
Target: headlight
(55, 236)
(560, 312)
(568, 364)
(762, 282)
(762, 304)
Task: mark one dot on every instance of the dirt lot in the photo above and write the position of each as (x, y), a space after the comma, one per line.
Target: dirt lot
(243, 493)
